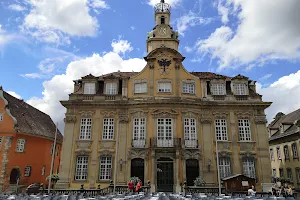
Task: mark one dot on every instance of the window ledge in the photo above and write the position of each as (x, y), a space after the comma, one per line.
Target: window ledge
(190, 94)
(250, 141)
(79, 181)
(103, 181)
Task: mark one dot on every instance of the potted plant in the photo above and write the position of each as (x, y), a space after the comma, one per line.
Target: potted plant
(199, 181)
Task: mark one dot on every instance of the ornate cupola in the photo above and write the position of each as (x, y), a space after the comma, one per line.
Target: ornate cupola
(162, 34)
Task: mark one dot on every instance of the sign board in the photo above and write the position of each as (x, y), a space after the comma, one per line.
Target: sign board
(245, 183)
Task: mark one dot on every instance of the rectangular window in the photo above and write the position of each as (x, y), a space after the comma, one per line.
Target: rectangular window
(298, 175)
(111, 88)
(274, 172)
(272, 154)
(164, 132)
(281, 174)
(289, 174)
(139, 132)
(286, 152)
(105, 168)
(85, 129)
(1, 138)
(218, 89)
(278, 153)
(190, 137)
(164, 87)
(140, 88)
(108, 129)
(27, 171)
(244, 130)
(81, 169)
(188, 88)
(240, 89)
(221, 129)
(1, 117)
(249, 167)
(43, 170)
(295, 151)
(224, 167)
(20, 145)
(89, 88)
(51, 149)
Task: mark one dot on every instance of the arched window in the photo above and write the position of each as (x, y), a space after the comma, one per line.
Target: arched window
(162, 20)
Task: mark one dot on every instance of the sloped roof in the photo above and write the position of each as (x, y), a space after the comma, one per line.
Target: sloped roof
(31, 120)
(234, 176)
(289, 118)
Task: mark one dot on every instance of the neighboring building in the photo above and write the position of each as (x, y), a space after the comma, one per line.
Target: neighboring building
(284, 147)
(160, 124)
(26, 139)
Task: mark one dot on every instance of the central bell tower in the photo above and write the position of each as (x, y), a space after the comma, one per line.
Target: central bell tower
(162, 34)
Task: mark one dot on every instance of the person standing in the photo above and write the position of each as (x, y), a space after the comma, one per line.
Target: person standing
(138, 187)
(130, 186)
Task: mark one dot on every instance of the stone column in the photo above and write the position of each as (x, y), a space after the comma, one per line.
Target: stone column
(7, 145)
(153, 173)
(177, 168)
(151, 78)
(183, 169)
(65, 173)
(145, 170)
(236, 167)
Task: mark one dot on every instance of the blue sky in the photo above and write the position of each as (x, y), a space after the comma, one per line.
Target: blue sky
(44, 44)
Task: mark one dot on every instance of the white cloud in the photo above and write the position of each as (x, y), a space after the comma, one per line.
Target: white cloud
(5, 37)
(132, 28)
(188, 49)
(32, 75)
(98, 4)
(56, 20)
(266, 30)
(16, 7)
(279, 93)
(121, 46)
(266, 77)
(173, 3)
(223, 11)
(60, 86)
(14, 94)
(189, 20)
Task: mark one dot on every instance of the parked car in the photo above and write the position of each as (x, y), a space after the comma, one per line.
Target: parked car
(34, 188)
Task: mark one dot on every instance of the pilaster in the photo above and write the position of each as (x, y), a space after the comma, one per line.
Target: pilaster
(177, 168)
(151, 78)
(232, 128)
(153, 174)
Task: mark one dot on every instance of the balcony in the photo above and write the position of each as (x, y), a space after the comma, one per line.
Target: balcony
(95, 97)
(190, 144)
(138, 143)
(165, 143)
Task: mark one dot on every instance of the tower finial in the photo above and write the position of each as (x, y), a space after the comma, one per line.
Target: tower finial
(162, 1)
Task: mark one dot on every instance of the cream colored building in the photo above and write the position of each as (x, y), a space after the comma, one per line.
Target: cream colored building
(161, 124)
(284, 144)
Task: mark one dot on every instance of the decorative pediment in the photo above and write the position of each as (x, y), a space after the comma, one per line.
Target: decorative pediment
(260, 120)
(206, 120)
(243, 115)
(123, 116)
(90, 76)
(82, 152)
(165, 113)
(111, 76)
(70, 119)
(86, 113)
(191, 154)
(106, 153)
(190, 114)
(132, 154)
(244, 155)
(109, 114)
(240, 77)
(83, 144)
(139, 114)
(224, 154)
(220, 115)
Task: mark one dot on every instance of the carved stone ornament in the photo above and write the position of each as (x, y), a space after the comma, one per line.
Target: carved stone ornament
(107, 153)
(107, 144)
(123, 119)
(70, 119)
(224, 146)
(220, 115)
(260, 120)
(191, 154)
(246, 146)
(244, 155)
(224, 154)
(132, 154)
(164, 65)
(139, 114)
(83, 144)
(109, 114)
(190, 114)
(151, 65)
(243, 115)
(86, 113)
(82, 152)
(164, 113)
(206, 120)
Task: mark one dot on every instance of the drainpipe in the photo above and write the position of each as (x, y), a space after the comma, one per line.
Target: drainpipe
(116, 156)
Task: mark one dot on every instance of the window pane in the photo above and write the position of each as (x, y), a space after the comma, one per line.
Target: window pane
(244, 130)
(221, 129)
(111, 88)
(218, 89)
(89, 88)
(108, 129)
(81, 168)
(105, 168)
(85, 129)
(164, 87)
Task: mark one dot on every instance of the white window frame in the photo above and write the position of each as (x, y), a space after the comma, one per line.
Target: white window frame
(140, 88)
(111, 88)
(278, 151)
(108, 129)
(298, 174)
(249, 167)
(85, 129)
(221, 130)
(81, 168)
(1, 117)
(188, 88)
(89, 88)
(190, 132)
(164, 87)
(27, 171)
(240, 89)
(244, 130)
(295, 150)
(272, 154)
(20, 147)
(218, 89)
(289, 174)
(43, 170)
(224, 167)
(286, 152)
(274, 173)
(165, 132)
(139, 132)
(105, 171)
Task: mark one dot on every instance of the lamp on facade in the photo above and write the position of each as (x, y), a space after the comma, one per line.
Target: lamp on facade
(121, 164)
(209, 165)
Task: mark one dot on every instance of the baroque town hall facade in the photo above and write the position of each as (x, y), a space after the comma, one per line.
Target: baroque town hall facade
(161, 124)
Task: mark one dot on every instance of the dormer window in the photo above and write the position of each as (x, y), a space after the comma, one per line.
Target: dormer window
(89, 88)
(240, 89)
(162, 20)
(218, 89)
(188, 87)
(140, 88)
(111, 88)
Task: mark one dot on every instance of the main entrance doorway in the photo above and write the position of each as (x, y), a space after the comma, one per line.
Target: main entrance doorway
(137, 168)
(14, 175)
(192, 171)
(165, 175)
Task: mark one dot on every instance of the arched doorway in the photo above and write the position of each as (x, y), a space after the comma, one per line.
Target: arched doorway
(14, 175)
(137, 168)
(165, 175)
(192, 171)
